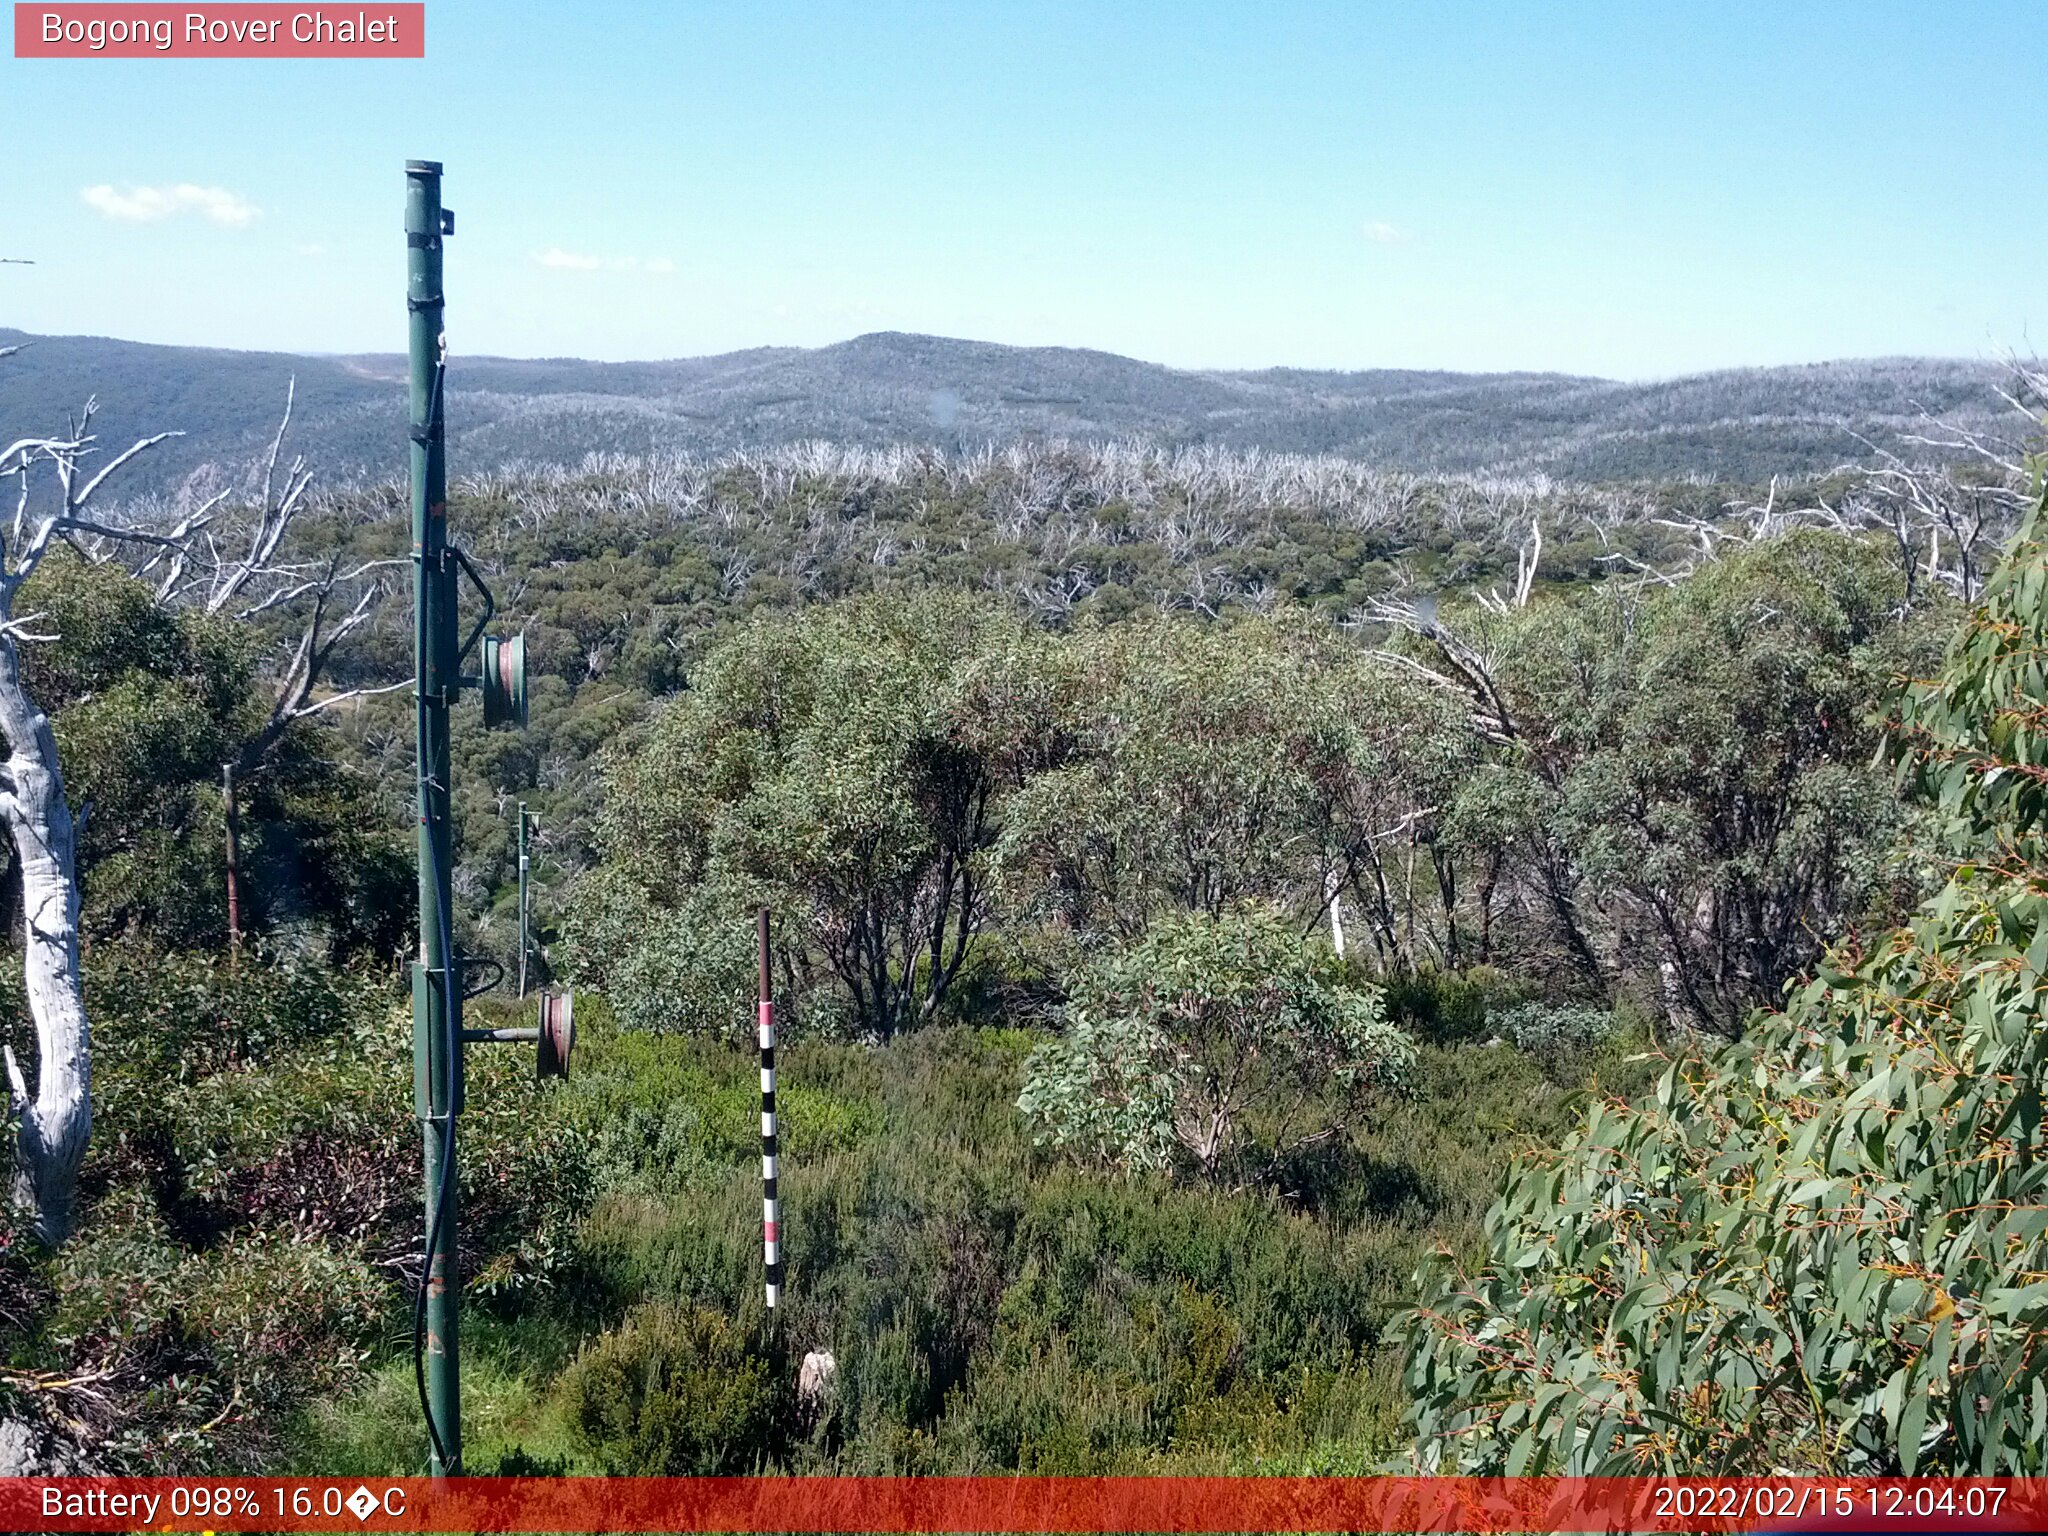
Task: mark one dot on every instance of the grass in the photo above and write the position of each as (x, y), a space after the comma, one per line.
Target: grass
(991, 1305)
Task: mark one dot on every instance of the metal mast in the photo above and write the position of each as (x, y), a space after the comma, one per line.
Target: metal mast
(438, 680)
(437, 991)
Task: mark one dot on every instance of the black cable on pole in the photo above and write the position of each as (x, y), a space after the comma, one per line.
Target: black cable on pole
(447, 1119)
(451, 1043)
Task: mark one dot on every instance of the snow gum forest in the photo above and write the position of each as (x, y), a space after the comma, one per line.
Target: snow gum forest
(1290, 960)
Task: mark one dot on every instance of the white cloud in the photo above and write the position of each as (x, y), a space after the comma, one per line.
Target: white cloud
(143, 205)
(577, 261)
(314, 249)
(554, 256)
(1380, 232)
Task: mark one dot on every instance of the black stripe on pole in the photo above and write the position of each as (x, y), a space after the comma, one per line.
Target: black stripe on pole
(771, 1207)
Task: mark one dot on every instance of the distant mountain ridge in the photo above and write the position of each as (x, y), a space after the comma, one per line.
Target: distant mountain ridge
(1741, 425)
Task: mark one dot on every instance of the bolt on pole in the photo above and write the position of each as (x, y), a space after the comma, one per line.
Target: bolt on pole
(437, 992)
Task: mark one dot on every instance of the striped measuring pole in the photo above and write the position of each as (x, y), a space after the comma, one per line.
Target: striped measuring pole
(771, 1207)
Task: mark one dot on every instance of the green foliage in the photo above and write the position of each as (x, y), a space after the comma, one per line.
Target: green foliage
(1822, 1250)
(1554, 1026)
(822, 765)
(955, 813)
(661, 1118)
(1107, 1087)
(147, 705)
(253, 1203)
(201, 1354)
(898, 779)
(675, 1392)
(686, 967)
(1443, 1007)
(1190, 767)
(1695, 773)
(1973, 739)
(992, 1306)
(1676, 796)
(1225, 1037)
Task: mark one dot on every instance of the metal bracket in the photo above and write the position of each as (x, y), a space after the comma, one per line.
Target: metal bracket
(514, 1036)
(490, 603)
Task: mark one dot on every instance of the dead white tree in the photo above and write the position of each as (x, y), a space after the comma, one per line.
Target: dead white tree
(200, 556)
(55, 1119)
(1944, 526)
(1527, 557)
(1469, 672)
(227, 556)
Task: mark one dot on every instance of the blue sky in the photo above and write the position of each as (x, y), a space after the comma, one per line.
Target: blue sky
(1634, 189)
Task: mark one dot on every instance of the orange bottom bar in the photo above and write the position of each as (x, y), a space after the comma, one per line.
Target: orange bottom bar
(1006, 1504)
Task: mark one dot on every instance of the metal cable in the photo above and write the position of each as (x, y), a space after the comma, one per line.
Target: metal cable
(451, 1043)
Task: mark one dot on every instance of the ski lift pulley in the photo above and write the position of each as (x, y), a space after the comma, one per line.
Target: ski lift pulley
(504, 681)
(557, 1033)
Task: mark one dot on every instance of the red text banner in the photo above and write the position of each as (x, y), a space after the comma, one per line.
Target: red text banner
(233, 31)
(1019, 1504)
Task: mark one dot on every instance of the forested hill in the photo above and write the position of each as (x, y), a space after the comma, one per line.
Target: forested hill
(1744, 425)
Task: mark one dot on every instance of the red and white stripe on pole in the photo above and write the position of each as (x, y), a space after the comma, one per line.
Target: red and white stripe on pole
(771, 1206)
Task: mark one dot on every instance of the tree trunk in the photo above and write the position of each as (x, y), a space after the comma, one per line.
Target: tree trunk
(229, 814)
(57, 1119)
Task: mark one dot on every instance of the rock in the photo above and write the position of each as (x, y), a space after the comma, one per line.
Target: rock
(29, 1451)
(18, 1449)
(814, 1381)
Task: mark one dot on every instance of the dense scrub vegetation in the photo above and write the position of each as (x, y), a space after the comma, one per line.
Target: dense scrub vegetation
(1195, 880)
(991, 1305)
(1666, 794)
(1823, 1249)
(626, 573)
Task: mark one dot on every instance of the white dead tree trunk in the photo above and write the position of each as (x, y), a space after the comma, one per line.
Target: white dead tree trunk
(1527, 557)
(56, 1117)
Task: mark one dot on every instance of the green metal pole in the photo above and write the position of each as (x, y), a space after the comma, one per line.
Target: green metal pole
(437, 998)
(525, 943)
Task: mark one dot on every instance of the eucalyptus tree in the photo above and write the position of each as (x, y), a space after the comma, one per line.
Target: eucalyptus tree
(830, 764)
(1682, 787)
(1204, 765)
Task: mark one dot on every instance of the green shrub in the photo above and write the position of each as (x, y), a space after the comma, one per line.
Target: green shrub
(1541, 1027)
(1226, 1041)
(677, 1391)
(990, 1304)
(253, 1204)
(687, 968)
(197, 1353)
(1443, 1007)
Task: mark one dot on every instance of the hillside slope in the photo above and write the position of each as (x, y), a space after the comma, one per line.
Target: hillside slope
(1742, 425)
